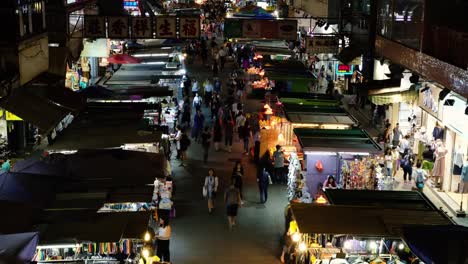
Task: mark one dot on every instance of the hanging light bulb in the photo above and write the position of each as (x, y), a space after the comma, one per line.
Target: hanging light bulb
(296, 237)
(401, 246)
(302, 247)
(348, 244)
(147, 236)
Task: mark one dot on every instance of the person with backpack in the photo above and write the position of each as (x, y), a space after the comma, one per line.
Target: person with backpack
(407, 166)
(184, 144)
(210, 189)
(419, 176)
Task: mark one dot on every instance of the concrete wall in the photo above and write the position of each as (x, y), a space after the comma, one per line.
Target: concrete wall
(33, 58)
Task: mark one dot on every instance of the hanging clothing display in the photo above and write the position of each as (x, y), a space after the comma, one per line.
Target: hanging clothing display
(438, 133)
(464, 179)
(458, 162)
(439, 164)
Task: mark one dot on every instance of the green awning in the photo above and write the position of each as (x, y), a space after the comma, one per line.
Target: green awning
(336, 140)
(397, 97)
(310, 102)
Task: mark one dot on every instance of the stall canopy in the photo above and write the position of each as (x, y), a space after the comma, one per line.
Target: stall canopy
(253, 11)
(21, 246)
(361, 221)
(97, 227)
(17, 217)
(309, 103)
(34, 109)
(336, 140)
(318, 115)
(31, 189)
(106, 127)
(387, 199)
(438, 244)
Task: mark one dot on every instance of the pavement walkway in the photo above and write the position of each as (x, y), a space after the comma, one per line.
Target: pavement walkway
(203, 238)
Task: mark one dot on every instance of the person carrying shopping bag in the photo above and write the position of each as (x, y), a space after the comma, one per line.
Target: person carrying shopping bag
(210, 189)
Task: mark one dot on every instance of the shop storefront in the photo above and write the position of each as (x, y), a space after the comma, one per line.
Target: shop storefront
(350, 156)
(445, 131)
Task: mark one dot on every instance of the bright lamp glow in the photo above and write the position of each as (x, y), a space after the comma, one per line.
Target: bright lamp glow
(401, 246)
(348, 244)
(296, 237)
(145, 252)
(59, 246)
(373, 245)
(302, 247)
(147, 236)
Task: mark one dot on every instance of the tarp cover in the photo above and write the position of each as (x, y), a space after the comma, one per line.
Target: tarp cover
(34, 109)
(364, 221)
(26, 188)
(438, 244)
(97, 227)
(21, 245)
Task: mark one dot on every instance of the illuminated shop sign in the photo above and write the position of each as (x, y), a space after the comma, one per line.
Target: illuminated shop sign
(344, 69)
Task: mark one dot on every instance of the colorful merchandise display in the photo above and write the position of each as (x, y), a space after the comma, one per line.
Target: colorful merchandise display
(359, 173)
(297, 187)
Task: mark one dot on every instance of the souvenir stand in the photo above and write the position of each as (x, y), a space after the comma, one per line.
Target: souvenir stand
(347, 154)
(355, 234)
(93, 238)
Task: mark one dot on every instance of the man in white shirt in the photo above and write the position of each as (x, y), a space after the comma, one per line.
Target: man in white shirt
(208, 92)
(278, 159)
(195, 87)
(197, 101)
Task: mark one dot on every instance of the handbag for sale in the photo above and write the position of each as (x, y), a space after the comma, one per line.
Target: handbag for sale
(319, 166)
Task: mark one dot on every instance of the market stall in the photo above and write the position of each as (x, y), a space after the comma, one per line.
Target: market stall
(94, 238)
(347, 234)
(349, 155)
(296, 113)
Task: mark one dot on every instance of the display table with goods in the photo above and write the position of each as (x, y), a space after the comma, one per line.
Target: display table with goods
(343, 154)
(94, 238)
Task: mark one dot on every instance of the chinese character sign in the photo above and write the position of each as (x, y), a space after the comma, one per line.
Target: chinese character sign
(117, 27)
(166, 27)
(94, 27)
(251, 29)
(189, 27)
(287, 29)
(322, 44)
(142, 27)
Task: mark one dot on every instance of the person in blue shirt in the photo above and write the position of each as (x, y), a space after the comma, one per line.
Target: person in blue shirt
(6, 166)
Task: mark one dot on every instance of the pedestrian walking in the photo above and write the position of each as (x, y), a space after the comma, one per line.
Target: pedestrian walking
(246, 135)
(195, 87)
(206, 136)
(198, 123)
(208, 86)
(232, 199)
(222, 58)
(278, 160)
(163, 237)
(197, 102)
(217, 85)
(184, 145)
(389, 162)
(240, 122)
(419, 176)
(407, 166)
(229, 131)
(237, 175)
(211, 188)
(263, 181)
(217, 134)
(186, 109)
(177, 138)
(215, 68)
